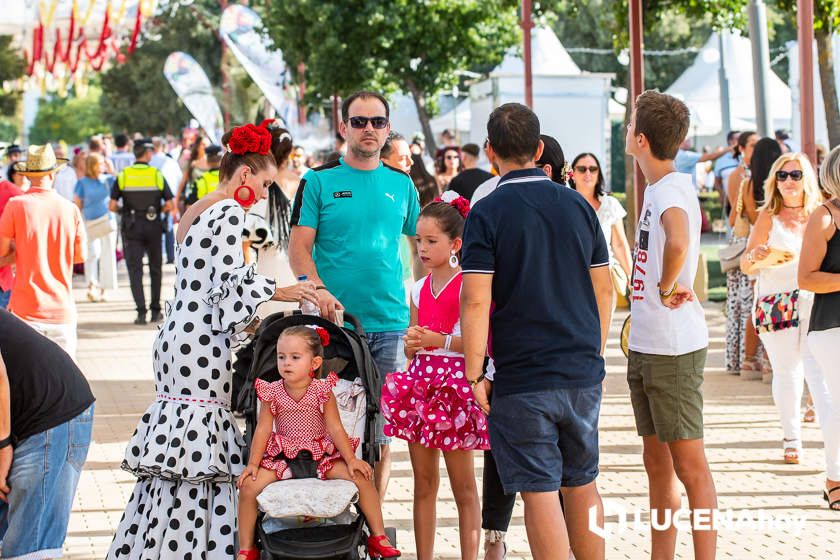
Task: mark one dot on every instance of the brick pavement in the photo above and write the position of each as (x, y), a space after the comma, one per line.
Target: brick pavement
(743, 442)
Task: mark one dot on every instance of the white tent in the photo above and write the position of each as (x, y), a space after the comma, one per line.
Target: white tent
(699, 87)
(820, 129)
(572, 106)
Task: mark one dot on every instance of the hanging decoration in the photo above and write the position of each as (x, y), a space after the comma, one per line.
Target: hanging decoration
(75, 47)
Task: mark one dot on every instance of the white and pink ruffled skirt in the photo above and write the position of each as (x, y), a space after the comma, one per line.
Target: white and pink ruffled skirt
(432, 404)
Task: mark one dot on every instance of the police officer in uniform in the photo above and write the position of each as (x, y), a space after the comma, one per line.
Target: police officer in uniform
(209, 180)
(144, 194)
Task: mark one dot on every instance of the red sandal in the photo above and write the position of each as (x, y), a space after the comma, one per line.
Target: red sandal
(377, 549)
(252, 554)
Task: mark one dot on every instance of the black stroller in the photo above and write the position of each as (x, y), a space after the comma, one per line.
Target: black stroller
(349, 357)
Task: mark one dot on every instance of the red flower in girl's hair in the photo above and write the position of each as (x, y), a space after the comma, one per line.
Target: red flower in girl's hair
(250, 139)
(324, 335)
(461, 204)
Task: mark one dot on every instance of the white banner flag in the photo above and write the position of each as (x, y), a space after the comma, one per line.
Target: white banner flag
(191, 85)
(241, 30)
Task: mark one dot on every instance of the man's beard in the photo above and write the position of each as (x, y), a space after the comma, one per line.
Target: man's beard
(363, 153)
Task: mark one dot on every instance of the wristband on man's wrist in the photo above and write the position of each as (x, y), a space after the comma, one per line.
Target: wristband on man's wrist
(320, 287)
(6, 442)
(669, 293)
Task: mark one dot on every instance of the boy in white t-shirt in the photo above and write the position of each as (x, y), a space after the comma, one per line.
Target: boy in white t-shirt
(668, 339)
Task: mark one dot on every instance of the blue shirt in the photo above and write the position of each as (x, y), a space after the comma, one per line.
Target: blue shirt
(95, 194)
(686, 162)
(359, 217)
(724, 162)
(539, 240)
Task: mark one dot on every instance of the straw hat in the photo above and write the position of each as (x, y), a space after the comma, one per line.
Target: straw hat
(40, 160)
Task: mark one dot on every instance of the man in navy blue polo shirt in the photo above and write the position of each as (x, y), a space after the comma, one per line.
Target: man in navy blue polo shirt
(536, 250)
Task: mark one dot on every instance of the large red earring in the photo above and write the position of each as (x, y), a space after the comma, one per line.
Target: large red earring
(244, 195)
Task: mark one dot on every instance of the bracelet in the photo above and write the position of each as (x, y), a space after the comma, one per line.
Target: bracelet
(447, 342)
(751, 257)
(5, 442)
(669, 293)
(476, 381)
(320, 287)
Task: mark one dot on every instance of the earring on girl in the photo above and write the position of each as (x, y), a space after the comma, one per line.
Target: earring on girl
(312, 374)
(244, 195)
(453, 260)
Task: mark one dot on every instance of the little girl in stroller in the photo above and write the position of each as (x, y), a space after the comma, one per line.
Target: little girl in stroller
(299, 433)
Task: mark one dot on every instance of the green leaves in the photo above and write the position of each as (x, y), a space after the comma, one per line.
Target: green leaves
(70, 118)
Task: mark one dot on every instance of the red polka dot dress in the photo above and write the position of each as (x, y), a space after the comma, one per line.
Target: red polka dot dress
(299, 425)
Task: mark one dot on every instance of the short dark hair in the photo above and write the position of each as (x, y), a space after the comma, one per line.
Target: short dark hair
(142, 146)
(782, 134)
(339, 137)
(121, 140)
(732, 134)
(13, 149)
(599, 184)
(553, 154)
(513, 131)
(765, 154)
(471, 149)
(664, 120)
(345, 105)
(388, 146)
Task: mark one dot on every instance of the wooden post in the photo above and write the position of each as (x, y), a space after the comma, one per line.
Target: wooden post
(637, 85)
(301, 92)
(335, 112)
(527, 24)
(805, 36)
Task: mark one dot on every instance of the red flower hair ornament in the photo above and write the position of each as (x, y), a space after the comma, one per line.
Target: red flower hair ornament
(251, 139)
(323, 335)
(461, 204)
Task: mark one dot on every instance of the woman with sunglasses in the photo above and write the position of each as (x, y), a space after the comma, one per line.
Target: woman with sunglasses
(588, 180)
(782, 310)
(447, 165)
(819, 271)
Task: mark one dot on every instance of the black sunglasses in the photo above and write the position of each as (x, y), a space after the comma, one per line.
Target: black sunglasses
(796, 175)
(583, 168)
(361, 122)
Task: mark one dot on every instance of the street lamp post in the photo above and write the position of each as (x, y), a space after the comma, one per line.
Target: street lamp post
(805, 25)
(527, 25)
(637, 85)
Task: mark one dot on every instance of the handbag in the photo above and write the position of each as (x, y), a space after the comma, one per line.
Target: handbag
(776, 312)
(730, 256)
(100, 227)
(619, 280)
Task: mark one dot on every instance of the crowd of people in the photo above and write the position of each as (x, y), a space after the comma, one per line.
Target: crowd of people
(496, 346)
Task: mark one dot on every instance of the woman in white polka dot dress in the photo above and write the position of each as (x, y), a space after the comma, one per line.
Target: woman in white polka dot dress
(187, 449)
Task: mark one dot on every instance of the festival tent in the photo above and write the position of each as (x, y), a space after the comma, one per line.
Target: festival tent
(699, 87)
(573, 106)
(820, 129)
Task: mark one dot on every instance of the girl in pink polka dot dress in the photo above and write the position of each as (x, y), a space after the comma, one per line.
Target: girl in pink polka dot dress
(431, 405)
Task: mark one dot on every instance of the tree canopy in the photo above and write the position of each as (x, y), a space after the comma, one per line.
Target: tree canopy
(71, 119)
(135, 95)
(419, 48)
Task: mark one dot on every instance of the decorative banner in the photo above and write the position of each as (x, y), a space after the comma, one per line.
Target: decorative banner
(192, 87)
(239, 29)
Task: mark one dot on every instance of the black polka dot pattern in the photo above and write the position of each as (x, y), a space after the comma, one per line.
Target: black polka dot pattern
(187, 453)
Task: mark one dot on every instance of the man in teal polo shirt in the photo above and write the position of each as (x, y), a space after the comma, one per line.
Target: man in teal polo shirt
(347, 221)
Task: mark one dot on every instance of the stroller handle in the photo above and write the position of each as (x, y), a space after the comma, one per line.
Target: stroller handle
(348, 318)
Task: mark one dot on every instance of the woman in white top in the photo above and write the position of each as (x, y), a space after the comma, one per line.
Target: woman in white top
(782, 310)
(267, 223)
(588, 180)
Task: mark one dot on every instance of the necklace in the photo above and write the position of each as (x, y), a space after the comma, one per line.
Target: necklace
(793, 207)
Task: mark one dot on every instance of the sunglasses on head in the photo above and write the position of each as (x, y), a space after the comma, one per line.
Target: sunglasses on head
(375, 122)
(584, 169)
(796, 175)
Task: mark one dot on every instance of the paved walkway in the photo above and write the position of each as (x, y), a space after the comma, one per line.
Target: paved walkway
(743, 441)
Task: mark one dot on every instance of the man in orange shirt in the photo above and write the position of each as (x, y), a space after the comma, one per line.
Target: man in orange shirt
(46, 234)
